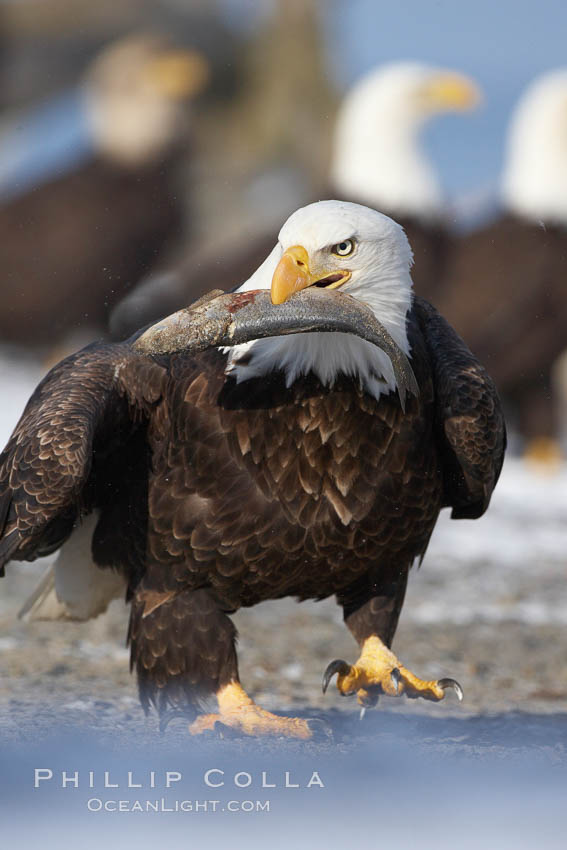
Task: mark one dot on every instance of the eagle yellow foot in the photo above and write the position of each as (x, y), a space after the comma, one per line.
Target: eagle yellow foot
(240, 713)
(378, 671)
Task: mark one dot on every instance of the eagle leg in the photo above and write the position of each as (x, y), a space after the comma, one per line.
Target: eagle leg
(372, 608)
(183, 648)
(240, 713)
(378, 671)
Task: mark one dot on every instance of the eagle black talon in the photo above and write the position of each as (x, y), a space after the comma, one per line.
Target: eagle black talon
(337, 666)
(452, 684)
(224, 731)
(166, 718)
(321, 730)
(396, 678)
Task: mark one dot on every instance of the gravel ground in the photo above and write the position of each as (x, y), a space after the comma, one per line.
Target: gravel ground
(71, 671)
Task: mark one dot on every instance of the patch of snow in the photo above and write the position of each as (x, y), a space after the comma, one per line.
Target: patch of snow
(293, 672)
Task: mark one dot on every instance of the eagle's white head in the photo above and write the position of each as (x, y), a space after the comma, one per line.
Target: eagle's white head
(333, 244)
(135, 95)
(534, 183)
(378, 156)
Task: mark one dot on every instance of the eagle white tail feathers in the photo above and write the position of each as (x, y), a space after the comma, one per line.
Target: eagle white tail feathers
(43, 604)
(73, 587)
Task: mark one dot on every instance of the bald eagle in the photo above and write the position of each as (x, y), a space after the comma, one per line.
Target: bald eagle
(305, 465)
(504, 288)
(377, 160)
(87, 191)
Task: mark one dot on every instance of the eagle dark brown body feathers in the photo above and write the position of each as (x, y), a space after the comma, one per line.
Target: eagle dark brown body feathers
(74, 246)
(504, 293)
(215, 495)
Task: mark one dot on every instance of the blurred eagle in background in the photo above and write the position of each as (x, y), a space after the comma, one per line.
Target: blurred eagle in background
(378, 159)
(88, 195)
(505, 285)
(281, 466)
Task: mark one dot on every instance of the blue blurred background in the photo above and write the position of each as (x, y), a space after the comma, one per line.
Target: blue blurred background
(502, 45)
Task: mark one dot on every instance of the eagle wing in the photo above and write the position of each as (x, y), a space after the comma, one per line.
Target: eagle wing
(81, 416)
(470, 426)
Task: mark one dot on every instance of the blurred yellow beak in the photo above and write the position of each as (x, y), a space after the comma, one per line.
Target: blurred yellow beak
(179, 73)
(293, 274)
(453, 91)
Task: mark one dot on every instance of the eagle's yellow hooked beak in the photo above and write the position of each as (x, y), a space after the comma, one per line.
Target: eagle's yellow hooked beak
(179, 74)
(450, 91)
(293, 273)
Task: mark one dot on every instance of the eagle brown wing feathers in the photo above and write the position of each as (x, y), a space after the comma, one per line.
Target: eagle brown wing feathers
(72, 446)
(470, 425)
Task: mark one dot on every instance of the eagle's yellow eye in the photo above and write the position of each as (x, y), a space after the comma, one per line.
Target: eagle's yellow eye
(344, 248)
